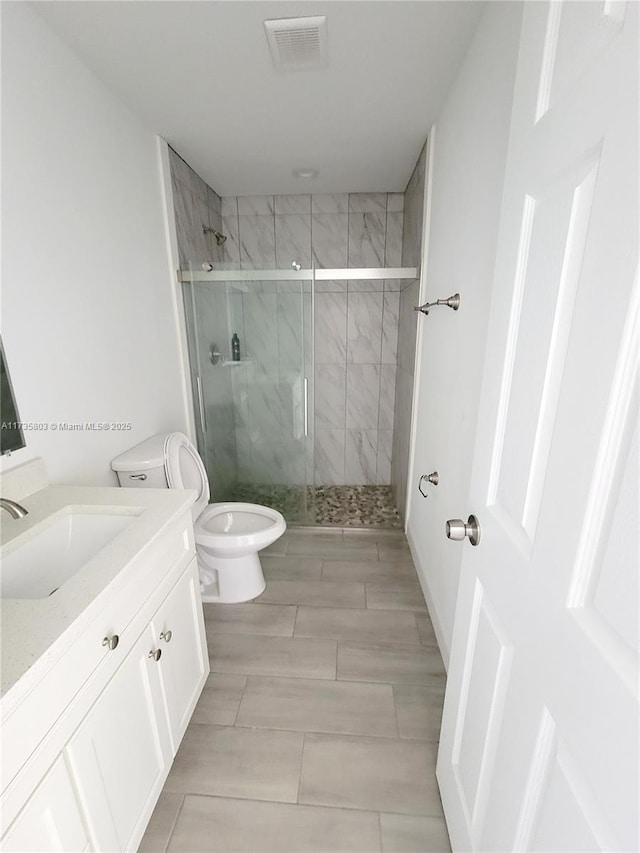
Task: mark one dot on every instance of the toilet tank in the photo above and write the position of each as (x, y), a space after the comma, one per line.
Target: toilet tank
(143, 465)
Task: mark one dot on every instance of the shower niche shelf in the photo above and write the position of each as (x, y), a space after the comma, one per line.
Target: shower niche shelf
(243, 361)
(216, 358)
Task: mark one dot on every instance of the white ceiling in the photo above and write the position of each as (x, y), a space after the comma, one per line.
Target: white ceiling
(200, 74)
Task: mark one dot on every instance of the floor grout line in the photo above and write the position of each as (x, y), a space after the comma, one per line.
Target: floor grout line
(304, 741)
(174, 824)
(246, 681)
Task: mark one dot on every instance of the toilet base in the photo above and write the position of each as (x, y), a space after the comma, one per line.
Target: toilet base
(239, 578)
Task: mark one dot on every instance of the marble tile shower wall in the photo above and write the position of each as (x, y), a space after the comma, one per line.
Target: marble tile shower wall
(356, 322)
(196, 204)
(407, 330)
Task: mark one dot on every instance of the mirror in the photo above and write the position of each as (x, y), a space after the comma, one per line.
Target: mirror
(11, 435)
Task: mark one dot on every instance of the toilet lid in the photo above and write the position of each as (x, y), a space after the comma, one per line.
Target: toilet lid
(184, 469)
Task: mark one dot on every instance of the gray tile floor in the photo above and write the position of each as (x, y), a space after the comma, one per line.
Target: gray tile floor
(317, 729)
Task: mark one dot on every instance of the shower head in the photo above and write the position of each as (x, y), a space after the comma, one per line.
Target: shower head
(220, 238)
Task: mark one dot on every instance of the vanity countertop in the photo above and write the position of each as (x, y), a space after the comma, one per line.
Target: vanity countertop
(36, 632)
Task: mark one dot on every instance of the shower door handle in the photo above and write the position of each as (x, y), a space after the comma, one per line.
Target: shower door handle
(203, 421)
(305, 391)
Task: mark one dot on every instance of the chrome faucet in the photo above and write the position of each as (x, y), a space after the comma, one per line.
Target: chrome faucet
(14, 509)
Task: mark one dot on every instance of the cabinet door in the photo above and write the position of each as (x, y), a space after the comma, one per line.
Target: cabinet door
(50, 821)
(179, 631)
(121, 753)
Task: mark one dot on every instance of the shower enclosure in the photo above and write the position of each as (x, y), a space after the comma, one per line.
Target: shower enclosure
(254, 396)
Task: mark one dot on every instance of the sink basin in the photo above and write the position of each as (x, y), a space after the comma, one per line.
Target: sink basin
(49, 558)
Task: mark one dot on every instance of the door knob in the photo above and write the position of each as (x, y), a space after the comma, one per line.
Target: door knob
(458, 530)
(156, 654)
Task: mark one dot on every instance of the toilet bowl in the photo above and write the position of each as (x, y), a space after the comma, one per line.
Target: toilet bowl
(228, 535)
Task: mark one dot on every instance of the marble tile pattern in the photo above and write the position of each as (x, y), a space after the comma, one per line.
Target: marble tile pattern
(293, 239)
(331, 328)
(386, 400)
(367, 239)
(390, 320)
(330, 240)
(393, 244)
(257, 241)
(337, 203)
(329, 456)
(361, 456)
(290, 331)
(383, 461)
(363, 396)
(330, 395)
(364, 328)
(318, 728)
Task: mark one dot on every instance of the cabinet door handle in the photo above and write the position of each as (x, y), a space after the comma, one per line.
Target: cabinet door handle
(155, 654)
(111, 641)
(166, 636)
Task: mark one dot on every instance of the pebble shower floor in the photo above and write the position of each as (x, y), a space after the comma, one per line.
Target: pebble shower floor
(341, 506)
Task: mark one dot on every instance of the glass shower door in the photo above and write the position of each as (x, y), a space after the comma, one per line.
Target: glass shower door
(254, 399)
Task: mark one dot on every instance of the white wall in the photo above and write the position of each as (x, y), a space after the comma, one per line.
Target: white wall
(470, 142)
(88, 319)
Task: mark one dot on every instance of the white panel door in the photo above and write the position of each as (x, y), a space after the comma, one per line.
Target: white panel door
(121, 753)
(178, 628)
(539, 744)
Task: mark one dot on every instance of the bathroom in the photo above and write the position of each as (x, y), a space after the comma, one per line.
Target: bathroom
(101, 207)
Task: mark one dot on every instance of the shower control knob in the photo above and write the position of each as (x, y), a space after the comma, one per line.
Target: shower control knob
(457, 530)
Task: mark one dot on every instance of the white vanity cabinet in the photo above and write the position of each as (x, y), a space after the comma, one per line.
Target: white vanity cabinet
(120, 755)
(93, 781)
(51, 820)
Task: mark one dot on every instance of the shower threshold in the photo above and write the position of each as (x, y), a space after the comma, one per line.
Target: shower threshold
(326, 506)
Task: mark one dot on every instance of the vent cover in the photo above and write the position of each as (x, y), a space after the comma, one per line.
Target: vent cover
(297, 44)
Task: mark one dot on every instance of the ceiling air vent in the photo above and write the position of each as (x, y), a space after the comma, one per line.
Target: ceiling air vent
(298, 44)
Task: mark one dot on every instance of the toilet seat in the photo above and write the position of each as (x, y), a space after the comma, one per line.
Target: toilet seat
(184, 469)
(234, 528)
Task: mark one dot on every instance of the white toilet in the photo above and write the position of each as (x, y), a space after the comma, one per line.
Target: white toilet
(228, 535)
